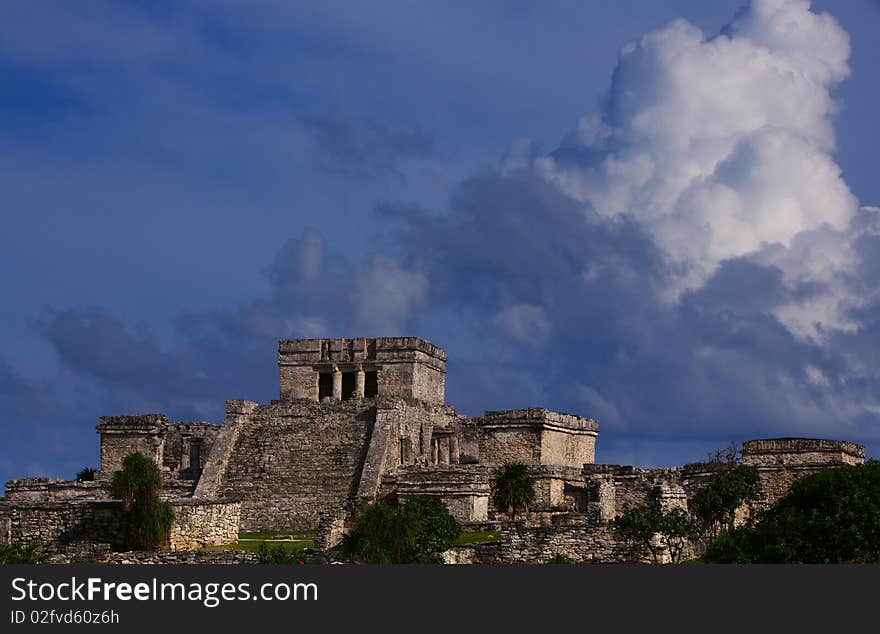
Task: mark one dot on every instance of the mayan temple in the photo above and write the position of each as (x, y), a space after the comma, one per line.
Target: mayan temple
(365, 418)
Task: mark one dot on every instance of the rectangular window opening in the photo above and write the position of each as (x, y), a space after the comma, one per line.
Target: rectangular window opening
(195, 455)
(325, 386)
(371, 384)
(348, 383)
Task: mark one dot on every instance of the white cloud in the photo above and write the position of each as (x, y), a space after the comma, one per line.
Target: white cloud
(722, 148)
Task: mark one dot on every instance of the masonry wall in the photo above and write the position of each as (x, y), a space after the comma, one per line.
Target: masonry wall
(781, 461)
(201, 523)
(123, 435)
(424, 433)
(566, 448)
(114, 448)
(176, 443)
(53, 524)
(464, 489)
(429, 381)
(514, 444)
(291, 461)
(55, 490)
(408, 367)
(57, 524)
(580, 541)
(536, 436)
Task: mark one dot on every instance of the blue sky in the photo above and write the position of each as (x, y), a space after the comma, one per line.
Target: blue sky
(655, 213)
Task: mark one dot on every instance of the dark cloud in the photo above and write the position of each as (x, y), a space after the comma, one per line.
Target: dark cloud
(42, 435)
(539, 302)
(715, 365)
(353, 147)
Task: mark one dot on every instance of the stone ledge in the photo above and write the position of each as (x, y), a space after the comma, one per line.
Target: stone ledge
(539, 417)
(801, 445)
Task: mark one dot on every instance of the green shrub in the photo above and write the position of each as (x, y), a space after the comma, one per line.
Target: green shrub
(715, 504)
(86, 474)
(15, 553)
(649, 526)
(388, 532)
(279, 554)
(512, 488)
(828, 517)
(560, 559)
(138, 485)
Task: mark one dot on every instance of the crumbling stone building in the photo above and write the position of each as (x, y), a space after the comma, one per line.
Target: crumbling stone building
(361, 418)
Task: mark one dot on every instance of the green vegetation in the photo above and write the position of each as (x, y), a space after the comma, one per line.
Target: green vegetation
(282, 553)
(388, 532)
(277, 535)
(714, 506)
(560, 559)
(87, 474)
(829, 517)
(15, 553)
(477, 537)
(512, 488)
(138, 485)
(650, 527)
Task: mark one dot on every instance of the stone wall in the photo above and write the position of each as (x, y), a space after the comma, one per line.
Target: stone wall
(558, 488)
(54, 524)
(536, 436)
(781, 461)
(406, 367)
(291, 461)
(180, 438)
(201, 523)
(123, 435)
(57, 524)
(55, 490)
(572, 537)
(464, 489)
(89, 552)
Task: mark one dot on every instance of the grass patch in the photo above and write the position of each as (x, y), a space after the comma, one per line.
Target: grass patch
(478, 537)
(275, 535)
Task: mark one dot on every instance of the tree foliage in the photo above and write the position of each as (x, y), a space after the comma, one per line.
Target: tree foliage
(16, 553)
(138, 485)
(828, 517)
(87, 474)
(650, 528)
(388, 532)
(714, 505)
(512, 488)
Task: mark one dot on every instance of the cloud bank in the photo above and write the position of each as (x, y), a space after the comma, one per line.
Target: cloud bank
(722, 147)
(688, 265)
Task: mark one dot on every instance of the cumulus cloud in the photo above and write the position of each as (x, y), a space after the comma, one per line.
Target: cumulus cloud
(689, 267)
(691, 261)
(721, 146)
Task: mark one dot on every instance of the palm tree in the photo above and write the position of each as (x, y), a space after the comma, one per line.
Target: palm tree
(513, 489)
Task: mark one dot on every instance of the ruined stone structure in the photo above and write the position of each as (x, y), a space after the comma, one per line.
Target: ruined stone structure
(362, 418)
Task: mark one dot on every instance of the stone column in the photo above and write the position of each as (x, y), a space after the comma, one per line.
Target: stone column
(453, 449)
(443, 450)
(337, 384)
(359, 381)
(185, 441)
